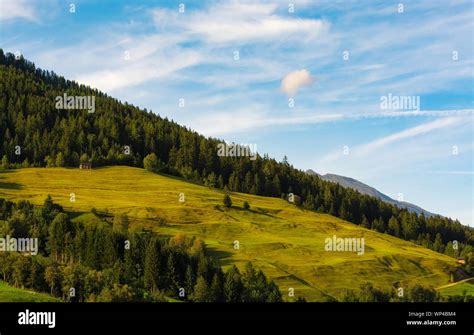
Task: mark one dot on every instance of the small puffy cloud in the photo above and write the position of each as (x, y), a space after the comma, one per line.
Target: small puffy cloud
(293, 81)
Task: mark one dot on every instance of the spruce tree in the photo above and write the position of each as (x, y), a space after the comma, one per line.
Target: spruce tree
(227, 201)
(151, 266)
(201, 290)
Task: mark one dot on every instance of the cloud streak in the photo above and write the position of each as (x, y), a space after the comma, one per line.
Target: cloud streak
(424, 128)
(237, 22)
(17, 9)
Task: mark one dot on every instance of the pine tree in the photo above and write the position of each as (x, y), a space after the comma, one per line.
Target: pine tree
(201, 290)
(57, 232)
(53, 278)
(151, 266)
(216, 289)
(438, 243)
(190, 280)
(393, 227)
(233, 286)
(365, 223)
(173, 278)
(5, 162)
(220, 182)
(60, 160)
(227, 201)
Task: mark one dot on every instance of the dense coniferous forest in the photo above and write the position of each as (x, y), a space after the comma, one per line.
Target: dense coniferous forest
(106, 261)
(33, 133)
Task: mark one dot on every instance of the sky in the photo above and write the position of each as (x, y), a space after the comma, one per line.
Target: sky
(317, 81)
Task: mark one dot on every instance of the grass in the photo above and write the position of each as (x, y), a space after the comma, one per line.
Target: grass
(458, 289)
(12, 294)
(285, 241)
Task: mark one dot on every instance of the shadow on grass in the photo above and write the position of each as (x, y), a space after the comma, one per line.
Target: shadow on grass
(222, 256)
(7, 185)
(10, 186)
(73, 214)
(260, 211)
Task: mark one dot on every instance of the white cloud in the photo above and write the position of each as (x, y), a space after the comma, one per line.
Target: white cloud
(293, 81)
(13, 9)
(139, 71)
(238, 22)
(251, 118)
(359, 154)
(368, 148)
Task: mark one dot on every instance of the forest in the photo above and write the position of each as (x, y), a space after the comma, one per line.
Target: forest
(33, 133)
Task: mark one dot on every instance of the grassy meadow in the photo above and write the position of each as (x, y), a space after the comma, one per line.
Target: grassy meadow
(11, 294)
(286, 242)
(459, 288)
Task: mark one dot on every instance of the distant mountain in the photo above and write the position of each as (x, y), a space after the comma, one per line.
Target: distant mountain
(366, 189)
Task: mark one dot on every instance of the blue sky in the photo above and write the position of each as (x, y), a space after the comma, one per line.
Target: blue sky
(335, 60)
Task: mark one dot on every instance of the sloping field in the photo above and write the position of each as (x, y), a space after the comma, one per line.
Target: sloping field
(11, 294)
(286, 242)
(460, 288)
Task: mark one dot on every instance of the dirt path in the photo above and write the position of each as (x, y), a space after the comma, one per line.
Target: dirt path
(453, 284)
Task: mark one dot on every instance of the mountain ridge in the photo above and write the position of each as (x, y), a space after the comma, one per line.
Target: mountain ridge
(363, 188)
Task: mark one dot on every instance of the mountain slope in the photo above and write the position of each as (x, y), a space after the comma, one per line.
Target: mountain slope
(121, 134)
(368, 190)
(285, 241)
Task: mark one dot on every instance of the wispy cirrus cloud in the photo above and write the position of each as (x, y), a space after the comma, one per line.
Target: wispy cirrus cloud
(369, 148)
(257, 117)
(238, 22)
(363, 151)
(17, 9)
(423, 143)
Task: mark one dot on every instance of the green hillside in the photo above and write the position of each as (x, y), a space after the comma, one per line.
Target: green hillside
(285, 241)
(12, 294)
(459, 288)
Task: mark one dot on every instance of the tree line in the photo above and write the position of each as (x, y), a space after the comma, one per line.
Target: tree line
(98, 260)
(416, 293)
(34, 133)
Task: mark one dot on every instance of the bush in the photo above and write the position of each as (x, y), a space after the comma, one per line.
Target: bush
(419, 293)
(152, 163)
(246, 205)
(5, 164)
